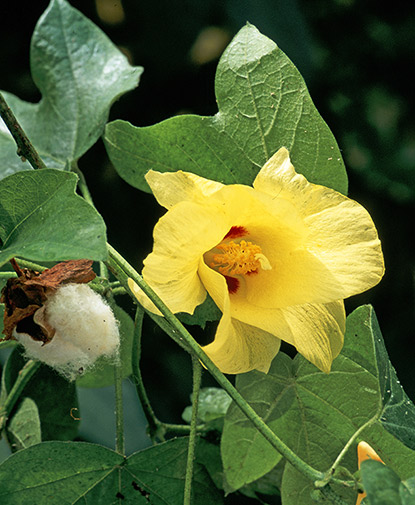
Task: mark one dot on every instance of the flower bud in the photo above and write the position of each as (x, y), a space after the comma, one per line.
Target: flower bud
(83, 326)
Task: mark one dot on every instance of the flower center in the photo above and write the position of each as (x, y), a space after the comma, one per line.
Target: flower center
(239, 258)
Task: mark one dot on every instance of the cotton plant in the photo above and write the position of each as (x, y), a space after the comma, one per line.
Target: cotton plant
(259, 237)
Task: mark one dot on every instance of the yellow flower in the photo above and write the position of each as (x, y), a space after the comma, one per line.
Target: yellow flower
(364, 452)
(277, 258)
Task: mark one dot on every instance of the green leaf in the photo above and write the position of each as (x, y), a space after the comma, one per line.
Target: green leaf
(68, 471)
(79, 73)
(263, 105)
(407, 491)
(24, 427)
(304, 406)
(41, 219)
(102, 373)
(92, 474)
(398, 411)
(160, 471)
(380, 483)
(207, 311)
(269, 484)
(213, 403)
(55, 398)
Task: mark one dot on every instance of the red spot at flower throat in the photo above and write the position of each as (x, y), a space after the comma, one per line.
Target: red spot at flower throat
(233, 284)
(236, 232)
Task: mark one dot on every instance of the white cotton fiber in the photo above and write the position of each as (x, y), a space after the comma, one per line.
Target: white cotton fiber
(85, 330)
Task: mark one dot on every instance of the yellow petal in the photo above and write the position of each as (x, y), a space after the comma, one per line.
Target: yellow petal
(343, 248)
(238, 347)
(142, 297)
(170, 188)
(316, 331)
(180, 238)
(344, 238)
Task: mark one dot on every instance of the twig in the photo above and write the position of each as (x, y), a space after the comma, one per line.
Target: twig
(25, 148)
(197, 379)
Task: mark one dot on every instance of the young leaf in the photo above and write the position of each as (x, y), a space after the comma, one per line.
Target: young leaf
(80, 73)
(263, 105)
(72, 471)
(102, 374)
(213, 403)
(24, 427)
(42, 219)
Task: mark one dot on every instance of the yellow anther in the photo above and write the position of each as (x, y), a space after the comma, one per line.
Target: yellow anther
(239, 258)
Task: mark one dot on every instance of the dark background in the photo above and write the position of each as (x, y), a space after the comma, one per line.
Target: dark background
(357, 59)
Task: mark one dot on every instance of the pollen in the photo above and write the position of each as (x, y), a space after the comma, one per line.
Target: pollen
(241, 258)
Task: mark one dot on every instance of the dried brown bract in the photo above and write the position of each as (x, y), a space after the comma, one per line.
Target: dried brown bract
(27, 293)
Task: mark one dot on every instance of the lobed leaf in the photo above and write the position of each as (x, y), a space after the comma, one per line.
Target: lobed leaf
(263, 105)
(79, 73)
(42, 219)
(75, 472)
(304, 406)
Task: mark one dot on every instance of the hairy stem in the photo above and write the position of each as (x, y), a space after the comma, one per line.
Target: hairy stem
(25, 374)
(25, 148)
(153, 422)
(123, 270)
(119, 411)
(197, 379)
(332, 469)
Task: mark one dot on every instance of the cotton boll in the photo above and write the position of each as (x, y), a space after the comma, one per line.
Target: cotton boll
(85, 330)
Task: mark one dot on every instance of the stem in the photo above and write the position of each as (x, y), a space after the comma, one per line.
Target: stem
(197, 379)
(119, 413)
(7, 275)
(118, 291)
(331, 495)
(24, 146)
(123, 270)
(153, 422)
(342, 453)
(156, 428)
(24, 376)
(29, 264)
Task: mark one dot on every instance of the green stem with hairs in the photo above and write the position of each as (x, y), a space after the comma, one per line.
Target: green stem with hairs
(156, 428)
(119, 412)
(24, 376)
(25, 148)
(7, 275)
(123, 270)
(153, 423)
(197, 380)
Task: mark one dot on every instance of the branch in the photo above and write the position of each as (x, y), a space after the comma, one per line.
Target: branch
(25, 148)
